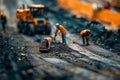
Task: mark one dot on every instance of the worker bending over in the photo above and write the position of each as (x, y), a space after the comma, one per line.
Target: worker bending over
(86, 34)
(3, 21)
(48, 41)
(62, 30)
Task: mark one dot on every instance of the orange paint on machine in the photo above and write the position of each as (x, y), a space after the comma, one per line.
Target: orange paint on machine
(87, 10)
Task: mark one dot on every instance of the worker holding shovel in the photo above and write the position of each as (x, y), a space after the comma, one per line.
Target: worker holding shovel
(62, 30)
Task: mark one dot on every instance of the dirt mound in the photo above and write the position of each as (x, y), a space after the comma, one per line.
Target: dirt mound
(111, 41)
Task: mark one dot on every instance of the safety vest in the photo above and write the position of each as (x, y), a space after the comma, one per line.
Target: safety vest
(62, 29)
(48, 39)
(85, 32)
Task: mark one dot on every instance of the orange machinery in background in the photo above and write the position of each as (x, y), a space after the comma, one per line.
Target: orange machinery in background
(115, 3)
(78, 8)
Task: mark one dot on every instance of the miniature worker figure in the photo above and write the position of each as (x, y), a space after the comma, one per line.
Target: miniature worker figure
(3, 21)
(48, 41)
(62, 30)
(86, 34)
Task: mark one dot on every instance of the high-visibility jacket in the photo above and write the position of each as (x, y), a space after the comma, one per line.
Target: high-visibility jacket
(48, 40)
(62, 29)
(85, 32)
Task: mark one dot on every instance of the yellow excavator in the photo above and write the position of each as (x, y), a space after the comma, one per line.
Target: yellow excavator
(32, 19)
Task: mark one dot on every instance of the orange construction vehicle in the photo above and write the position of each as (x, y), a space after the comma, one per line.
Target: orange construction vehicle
(79, 8)
(116, 4)
(32, 19)
(62, 30)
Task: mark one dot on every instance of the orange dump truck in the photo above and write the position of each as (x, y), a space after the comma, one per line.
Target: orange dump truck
(78, 8)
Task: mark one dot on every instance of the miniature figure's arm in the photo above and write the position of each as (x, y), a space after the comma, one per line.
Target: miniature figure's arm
(56, 32)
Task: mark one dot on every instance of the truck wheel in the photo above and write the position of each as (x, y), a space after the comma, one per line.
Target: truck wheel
(24, 28)
(48, 29)
(30, 30)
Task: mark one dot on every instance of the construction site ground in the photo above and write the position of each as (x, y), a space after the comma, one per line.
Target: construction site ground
(20, 58)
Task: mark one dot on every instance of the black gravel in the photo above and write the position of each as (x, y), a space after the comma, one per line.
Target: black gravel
(12, 60)
(16, 62)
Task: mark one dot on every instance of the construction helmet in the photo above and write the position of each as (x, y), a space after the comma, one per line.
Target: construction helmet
(57, 24)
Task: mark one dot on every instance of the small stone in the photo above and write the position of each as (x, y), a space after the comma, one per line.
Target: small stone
(22, 48)
(19, 59)
(22, 54)
(11, 48)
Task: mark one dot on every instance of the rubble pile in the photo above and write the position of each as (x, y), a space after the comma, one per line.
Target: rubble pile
(62, 48)
(102, 37)
(13, 61)
(107, 39)
(111, 40)
(16, 63)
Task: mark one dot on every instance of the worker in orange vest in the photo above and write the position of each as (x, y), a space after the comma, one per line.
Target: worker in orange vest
(86, 34)
(3, 21)
(62, 29)
(48, 41)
